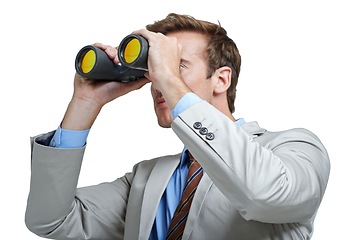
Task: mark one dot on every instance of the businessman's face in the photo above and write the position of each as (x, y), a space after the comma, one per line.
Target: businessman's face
(193, 71)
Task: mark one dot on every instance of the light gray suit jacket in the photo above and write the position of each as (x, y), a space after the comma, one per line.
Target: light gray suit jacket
(258, 185)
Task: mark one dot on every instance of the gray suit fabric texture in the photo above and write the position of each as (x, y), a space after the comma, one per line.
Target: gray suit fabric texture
(257, 185)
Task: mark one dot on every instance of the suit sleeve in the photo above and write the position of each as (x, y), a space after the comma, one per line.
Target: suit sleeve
(57, 209)
(273, 178)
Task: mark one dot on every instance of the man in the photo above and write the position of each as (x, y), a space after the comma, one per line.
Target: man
(255, 184)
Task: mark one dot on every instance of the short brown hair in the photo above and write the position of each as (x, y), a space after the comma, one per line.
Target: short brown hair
(221, 50)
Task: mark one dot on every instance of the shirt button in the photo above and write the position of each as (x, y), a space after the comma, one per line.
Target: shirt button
(197, 125)
(53, 143)
(203, 131)
(210, 136)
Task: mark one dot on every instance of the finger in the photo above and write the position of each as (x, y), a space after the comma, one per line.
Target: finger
(144, 33)
(100, 45)
(109, 50)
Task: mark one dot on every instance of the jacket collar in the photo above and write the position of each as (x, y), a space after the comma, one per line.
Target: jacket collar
(253, 129)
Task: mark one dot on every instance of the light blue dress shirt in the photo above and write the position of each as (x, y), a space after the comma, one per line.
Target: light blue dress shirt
(74, 139)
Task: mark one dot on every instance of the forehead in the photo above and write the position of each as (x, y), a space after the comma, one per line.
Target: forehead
(193, 43)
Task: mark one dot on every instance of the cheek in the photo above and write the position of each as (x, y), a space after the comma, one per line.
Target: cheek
(205, 93)
(196, 76)
(202, 88)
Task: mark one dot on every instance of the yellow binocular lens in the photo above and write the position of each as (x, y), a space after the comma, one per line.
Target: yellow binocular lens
(93, 63)
(132, 50)
(88, 61)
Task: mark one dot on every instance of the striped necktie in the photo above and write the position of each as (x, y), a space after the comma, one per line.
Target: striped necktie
(179, 219)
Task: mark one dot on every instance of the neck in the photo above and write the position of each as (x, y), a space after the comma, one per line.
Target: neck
(223, 107)
(229, 115)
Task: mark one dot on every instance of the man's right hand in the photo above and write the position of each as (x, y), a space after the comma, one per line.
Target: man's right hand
(91, 95)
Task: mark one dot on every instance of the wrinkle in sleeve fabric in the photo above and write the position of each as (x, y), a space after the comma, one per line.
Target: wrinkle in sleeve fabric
(57, 209)
(271, 177)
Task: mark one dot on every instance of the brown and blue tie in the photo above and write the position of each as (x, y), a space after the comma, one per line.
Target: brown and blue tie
(179, 219)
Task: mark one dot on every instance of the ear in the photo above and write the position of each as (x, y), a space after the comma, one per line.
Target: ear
(223, 79)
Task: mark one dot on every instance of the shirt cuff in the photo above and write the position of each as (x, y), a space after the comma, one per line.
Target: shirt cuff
(184, 103)
(64, 138)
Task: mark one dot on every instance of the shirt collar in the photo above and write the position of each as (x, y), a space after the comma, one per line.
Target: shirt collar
(184, 158)
(240, 121)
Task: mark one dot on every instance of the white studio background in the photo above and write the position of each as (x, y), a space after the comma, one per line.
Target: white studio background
(289, 51)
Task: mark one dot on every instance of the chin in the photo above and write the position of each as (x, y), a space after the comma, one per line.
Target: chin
(166, 125)
(165, 122)
(164, 118)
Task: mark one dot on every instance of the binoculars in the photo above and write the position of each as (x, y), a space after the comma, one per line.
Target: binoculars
(92, 62)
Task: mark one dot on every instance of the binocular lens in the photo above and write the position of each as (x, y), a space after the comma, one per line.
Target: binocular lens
(132, 50)
(88, 61)
(93, 63)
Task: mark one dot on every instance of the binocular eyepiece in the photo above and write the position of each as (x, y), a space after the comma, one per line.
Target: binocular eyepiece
(92, 62)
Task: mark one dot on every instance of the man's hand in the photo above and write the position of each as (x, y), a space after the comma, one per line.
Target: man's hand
(164, 59)
(91, 95)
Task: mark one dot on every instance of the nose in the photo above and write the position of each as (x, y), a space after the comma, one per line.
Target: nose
(155, 92)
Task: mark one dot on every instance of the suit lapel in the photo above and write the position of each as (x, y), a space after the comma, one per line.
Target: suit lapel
(253, 129)
(155, 186)
(195, 209)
